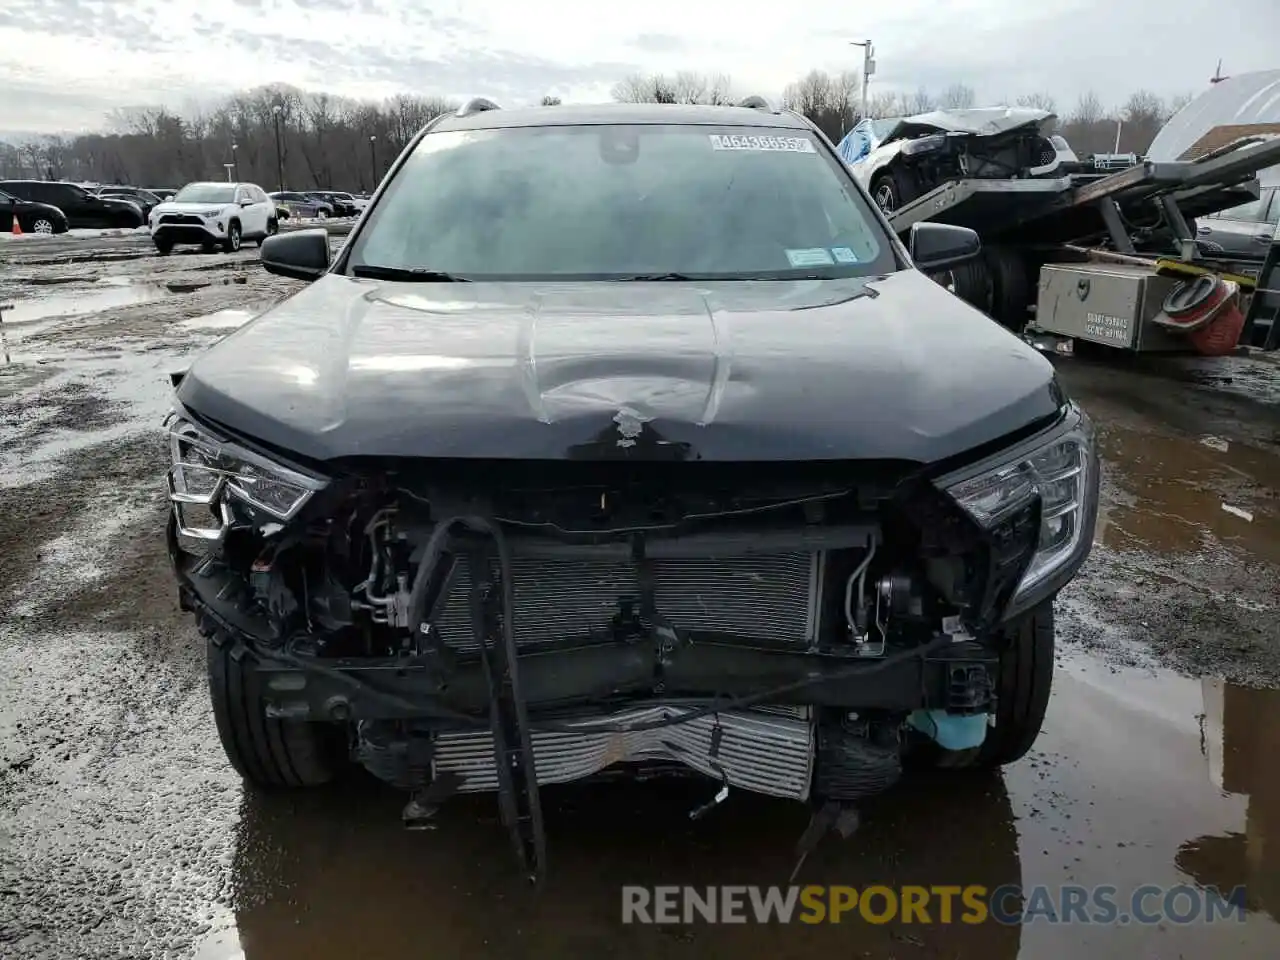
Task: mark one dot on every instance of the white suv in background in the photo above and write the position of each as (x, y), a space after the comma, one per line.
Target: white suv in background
(213, 214)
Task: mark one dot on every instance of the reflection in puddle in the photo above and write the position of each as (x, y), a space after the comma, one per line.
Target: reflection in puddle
(104, 296)
(1125, 788)
(1242, 742)
(1177, 489)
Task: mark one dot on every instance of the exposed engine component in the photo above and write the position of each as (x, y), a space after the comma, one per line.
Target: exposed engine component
(767, 750)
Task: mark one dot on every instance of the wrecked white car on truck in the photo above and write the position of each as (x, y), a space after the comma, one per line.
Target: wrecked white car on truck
(916, 154)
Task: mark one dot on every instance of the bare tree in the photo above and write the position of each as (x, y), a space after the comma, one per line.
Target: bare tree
(550, 101)
(1038, 101)
(918, 102)
(957, 97)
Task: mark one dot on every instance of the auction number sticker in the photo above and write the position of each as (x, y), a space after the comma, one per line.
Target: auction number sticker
(735, 141)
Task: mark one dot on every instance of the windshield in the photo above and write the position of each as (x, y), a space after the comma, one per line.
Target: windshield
(206, 193)
(609, 202)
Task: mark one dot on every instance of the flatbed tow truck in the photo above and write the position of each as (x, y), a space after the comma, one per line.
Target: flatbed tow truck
(1068, 250)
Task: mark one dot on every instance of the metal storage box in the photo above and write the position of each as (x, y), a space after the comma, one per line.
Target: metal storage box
(1105, 303)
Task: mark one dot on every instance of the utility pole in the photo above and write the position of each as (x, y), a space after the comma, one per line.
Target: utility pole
(868, 68)
(373, 159)
(275, 112)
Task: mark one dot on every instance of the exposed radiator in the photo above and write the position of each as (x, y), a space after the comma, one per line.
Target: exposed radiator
(767, 751)
(770, 597)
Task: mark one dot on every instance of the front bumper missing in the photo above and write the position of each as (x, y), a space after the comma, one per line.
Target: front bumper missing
(305, 687)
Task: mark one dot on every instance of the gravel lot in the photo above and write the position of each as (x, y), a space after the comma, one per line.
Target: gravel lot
(124, 833)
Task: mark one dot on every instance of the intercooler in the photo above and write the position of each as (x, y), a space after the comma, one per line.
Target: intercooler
(766, 750)
(773, 597)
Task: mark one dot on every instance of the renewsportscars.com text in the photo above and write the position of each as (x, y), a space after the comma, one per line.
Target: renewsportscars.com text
(939, 904)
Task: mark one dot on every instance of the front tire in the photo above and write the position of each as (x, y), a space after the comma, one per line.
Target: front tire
(40, 225)
(232, 243)
(1022, 689)
(265, 752)
(163, 247)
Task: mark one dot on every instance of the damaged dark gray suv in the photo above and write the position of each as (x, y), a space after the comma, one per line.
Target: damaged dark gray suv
(624, 437)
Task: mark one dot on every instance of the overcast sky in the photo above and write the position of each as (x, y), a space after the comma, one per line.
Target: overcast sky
(65, 63)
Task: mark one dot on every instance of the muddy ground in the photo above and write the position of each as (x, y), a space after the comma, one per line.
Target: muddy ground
(123, 832)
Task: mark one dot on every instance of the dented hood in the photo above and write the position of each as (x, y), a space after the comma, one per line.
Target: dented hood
(892, 368)
(979, 121)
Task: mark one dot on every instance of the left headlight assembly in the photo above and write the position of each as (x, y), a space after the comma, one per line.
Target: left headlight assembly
(208, 472)
(1060, 471)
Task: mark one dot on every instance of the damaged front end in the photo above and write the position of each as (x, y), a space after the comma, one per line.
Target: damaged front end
(784, 628)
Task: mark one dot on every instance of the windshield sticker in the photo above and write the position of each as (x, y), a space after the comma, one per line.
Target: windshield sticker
(844, 255)
(813, 257)
(736, 141)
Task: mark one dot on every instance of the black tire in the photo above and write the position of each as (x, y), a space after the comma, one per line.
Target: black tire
(1022, 690)
(272, 229)
(890, 192)
(265, 752)
(163, 247)
(38, 224)
(234, 237)
(1010, 286)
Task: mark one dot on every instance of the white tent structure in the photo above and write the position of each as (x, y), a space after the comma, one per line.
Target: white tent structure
(1244, 101)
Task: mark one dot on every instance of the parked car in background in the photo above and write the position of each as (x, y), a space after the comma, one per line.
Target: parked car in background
(145, 199)
(164, 193)
(80, 207)
(343, 203)
(32, 217)
(214, 215)
(1246, 231)
(303, 206)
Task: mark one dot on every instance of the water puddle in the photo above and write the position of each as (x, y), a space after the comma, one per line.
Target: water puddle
(1181, 493)
(104, 295)
(1141, 777)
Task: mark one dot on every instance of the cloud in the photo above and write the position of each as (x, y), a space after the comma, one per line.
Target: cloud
(65, 63)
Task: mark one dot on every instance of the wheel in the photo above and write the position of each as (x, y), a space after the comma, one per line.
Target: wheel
(208, 247)
(890, 192)
(272, 229)
(264, 751)
(322, 214)
(1022, 695)
(40, 225)
(972, 283)
(163, 247)
(232, 243)
(1010, 286)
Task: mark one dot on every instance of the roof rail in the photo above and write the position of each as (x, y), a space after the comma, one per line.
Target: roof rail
(476, 105)
(756, 102)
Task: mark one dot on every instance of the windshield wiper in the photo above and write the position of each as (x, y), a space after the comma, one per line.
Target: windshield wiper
(657, 276)
(411, 274)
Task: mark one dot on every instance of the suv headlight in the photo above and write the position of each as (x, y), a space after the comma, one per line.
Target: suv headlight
(1061, 471)
(206, 471)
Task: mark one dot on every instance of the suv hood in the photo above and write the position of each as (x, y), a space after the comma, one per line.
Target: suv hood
(169, 206)
(886, 368)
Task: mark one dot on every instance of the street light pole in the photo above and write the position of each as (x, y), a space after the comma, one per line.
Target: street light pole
(868, 68)
(373, 159)
(234, 168)
(276, 111)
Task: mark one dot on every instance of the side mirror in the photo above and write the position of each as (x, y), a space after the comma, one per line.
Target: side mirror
(300, 255)
(246, 202)
(935, 246)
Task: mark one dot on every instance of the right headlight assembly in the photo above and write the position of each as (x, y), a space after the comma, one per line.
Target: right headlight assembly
(1060, 471)
(207, 472)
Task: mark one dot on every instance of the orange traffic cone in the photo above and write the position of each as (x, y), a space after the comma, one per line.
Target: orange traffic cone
(17, 227)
